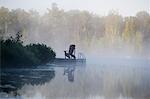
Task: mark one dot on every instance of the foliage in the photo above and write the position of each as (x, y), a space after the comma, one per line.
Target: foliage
(58, 28)
(14, 54)
(42, 52)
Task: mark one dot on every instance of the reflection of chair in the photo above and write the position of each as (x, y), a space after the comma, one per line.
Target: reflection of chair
(69, 71)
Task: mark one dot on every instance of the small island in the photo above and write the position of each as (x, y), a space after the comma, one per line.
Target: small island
(16, 55)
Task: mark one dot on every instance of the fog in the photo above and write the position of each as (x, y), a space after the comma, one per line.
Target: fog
(116, 48)
(102, 81)
(96, 36)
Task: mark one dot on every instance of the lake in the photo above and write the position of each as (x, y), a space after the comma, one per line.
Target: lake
(104, 79)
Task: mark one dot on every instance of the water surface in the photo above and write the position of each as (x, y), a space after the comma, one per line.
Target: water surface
(107, 80)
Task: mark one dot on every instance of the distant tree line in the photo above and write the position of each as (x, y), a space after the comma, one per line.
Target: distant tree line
(58, 28)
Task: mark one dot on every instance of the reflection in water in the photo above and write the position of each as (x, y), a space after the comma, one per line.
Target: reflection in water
(69, 71)
(92, 82)
(14, 79)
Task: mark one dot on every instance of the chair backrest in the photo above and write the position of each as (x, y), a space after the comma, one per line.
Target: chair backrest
(71, 49)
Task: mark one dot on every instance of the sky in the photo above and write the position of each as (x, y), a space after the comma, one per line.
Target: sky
(100, 7)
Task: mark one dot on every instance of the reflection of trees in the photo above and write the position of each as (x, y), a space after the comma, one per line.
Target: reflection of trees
(126, 81)
(11, 80)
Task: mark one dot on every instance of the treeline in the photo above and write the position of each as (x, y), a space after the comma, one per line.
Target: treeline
(15, 54)
(59, 28)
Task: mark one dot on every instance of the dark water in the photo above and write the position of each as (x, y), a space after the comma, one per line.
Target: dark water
(90, 81)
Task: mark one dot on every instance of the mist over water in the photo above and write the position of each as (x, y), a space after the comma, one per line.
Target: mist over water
(116, 50)
(93, 82)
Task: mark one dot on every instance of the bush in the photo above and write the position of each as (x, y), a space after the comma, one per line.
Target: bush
(14, 54)
(42, 52)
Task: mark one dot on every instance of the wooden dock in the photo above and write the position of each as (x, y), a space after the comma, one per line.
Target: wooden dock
(63, 61)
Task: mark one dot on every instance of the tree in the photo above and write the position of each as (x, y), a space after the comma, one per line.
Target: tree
(4, 21)
(113, 25)
(130, 29)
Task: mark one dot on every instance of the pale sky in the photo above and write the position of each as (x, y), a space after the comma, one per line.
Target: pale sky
(100, 7)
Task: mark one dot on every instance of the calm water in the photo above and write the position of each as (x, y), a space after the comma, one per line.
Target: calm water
(108, 80)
